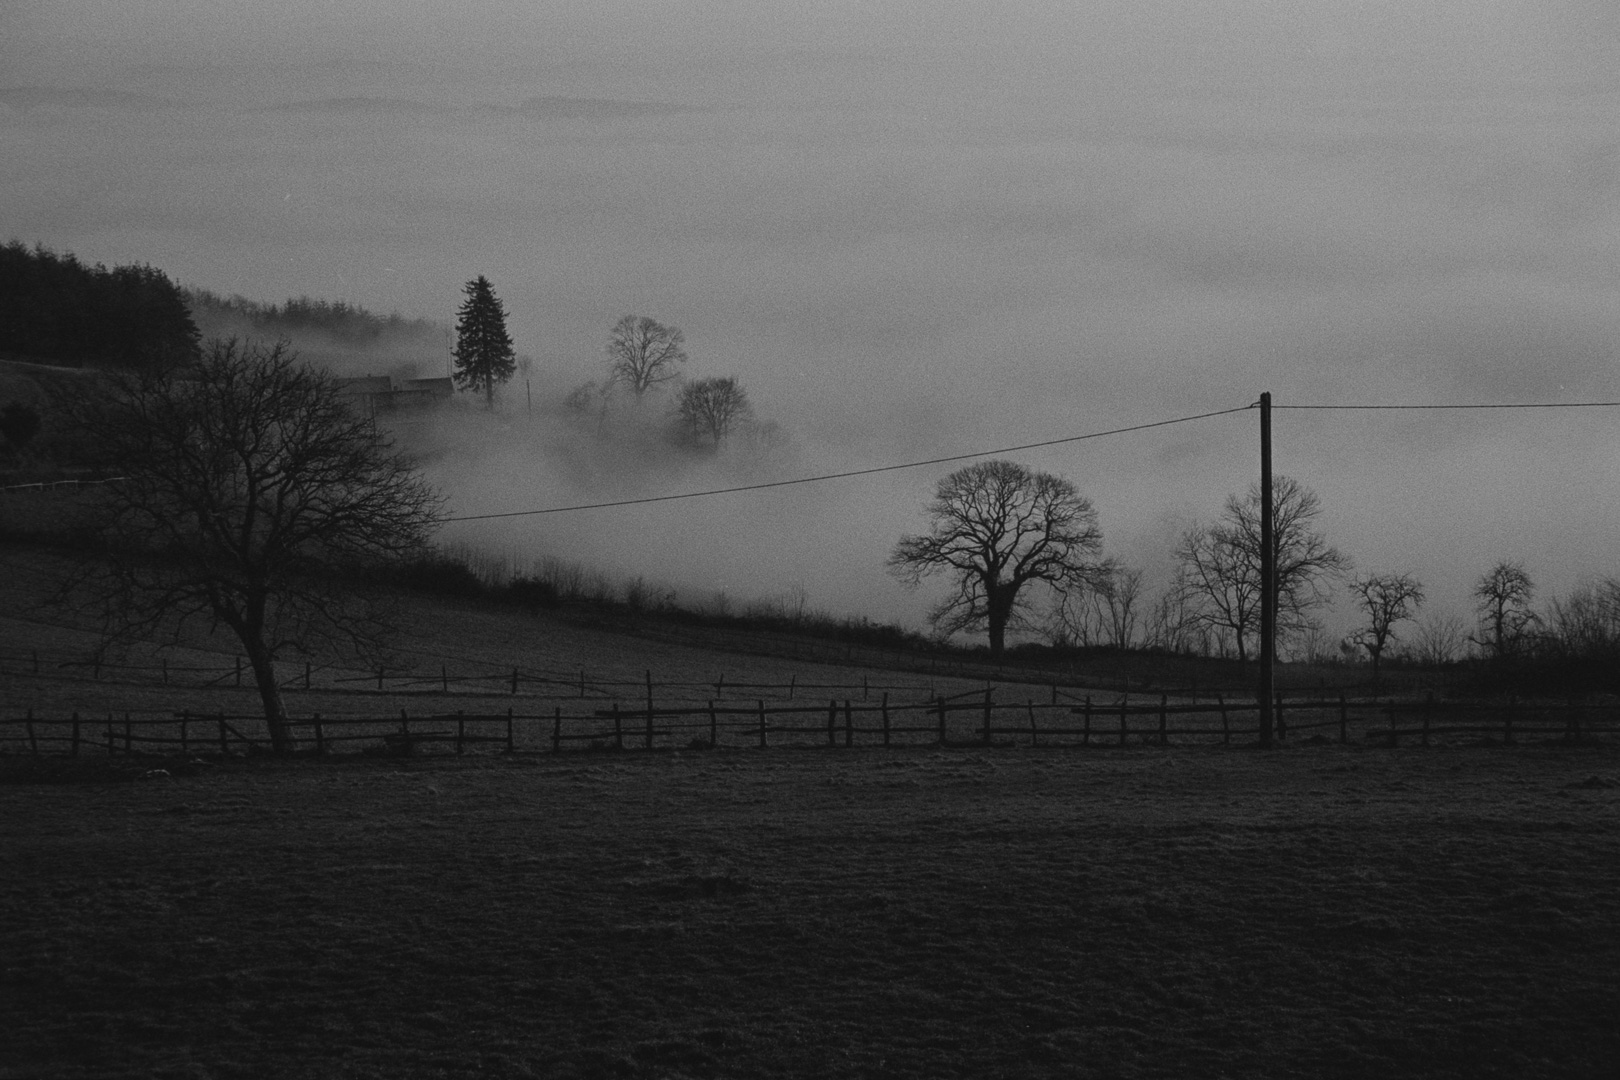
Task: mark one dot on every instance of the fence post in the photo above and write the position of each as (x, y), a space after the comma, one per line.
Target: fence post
(714, 728)
(987, 708)
(793, 679)
(832, 722)
(885, 718)
(379, 678)
(1226, 721)
(720, 686)
(761, 705)
(320, 735)
(1085, 737)
(75, 735)
(1344, 720)
(1122, 721)
(618, 728)
(581, 682)
(941, 700)
(1164, 735)
(1034, 732)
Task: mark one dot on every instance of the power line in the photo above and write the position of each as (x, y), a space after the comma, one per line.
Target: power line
(1511, 405)
(850, 473)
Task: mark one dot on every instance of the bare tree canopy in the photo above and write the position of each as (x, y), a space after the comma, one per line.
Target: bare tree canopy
(643, 352)
(712, 408)
(1106, 612)
(1219, 564)
(997, 528)
(483, 347)
(1385, 599)
(247, 487)
(1502, 601)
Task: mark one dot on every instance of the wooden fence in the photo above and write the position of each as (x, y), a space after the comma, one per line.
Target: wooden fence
(978, 718)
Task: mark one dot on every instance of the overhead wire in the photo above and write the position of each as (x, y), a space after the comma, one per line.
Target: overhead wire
(848, 473)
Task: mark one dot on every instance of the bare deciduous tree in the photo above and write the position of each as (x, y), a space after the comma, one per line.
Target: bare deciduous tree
(1219, 570)
(1107, 613)
(997, 529)
(1386, 599)
(248, 488)
(1438, 640)
(643, 352)
(1502, 601)
(713, 408)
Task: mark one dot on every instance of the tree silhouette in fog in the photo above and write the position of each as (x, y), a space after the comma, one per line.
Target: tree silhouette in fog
(483, 351)
(250, 495)
(643, 352)
(1385, 599)
(998, 528)
(712, 408)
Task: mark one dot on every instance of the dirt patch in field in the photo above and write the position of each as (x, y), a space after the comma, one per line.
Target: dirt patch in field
(1319, 911)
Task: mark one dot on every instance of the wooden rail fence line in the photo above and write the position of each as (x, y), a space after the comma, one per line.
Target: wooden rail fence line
(845, 723)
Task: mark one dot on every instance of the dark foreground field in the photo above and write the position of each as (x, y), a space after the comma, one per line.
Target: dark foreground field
(1317, 911)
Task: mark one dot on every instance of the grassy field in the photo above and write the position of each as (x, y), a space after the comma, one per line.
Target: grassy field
(1320, 910)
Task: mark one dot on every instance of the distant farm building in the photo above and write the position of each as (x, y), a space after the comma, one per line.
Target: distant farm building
(375, 395)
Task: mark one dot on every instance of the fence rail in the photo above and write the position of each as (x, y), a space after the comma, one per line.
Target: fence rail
(985, 720)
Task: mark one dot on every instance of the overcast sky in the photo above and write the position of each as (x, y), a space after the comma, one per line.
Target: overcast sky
(915, 229)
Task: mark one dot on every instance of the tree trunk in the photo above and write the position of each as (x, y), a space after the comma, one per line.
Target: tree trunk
(998, 604)
(275, 713)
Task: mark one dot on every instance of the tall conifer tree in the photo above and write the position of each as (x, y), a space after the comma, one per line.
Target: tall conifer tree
(483, 348)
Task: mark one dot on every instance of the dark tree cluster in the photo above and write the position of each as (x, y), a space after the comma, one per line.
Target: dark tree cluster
(56, 309)
(349, 323)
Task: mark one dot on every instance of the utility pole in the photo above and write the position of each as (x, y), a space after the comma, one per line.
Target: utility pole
(1268, 577)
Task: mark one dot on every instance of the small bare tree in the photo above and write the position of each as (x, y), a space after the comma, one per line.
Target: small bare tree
(1385, 599)
(712, 408)
(1502, 601)
(997, 529)
(1439, 639)
(1106, 613)
(250, 496)
(643, 352)
(1220, 564)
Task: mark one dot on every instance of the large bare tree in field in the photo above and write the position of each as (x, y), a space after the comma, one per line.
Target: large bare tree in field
(249, 496)
(1219, 571)
(643, 352)
(1385, 599)
(998, 528)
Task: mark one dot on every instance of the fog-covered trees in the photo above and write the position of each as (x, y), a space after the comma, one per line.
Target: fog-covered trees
(643, 352)
(712, 408)
(483, 348)
(996, 529)
(1219, 564)
(1384, 599)
(247, 488)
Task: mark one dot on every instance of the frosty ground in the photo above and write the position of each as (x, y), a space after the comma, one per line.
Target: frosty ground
(1310, 911)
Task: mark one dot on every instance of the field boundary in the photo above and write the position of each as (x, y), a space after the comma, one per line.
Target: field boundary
(979, 719)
